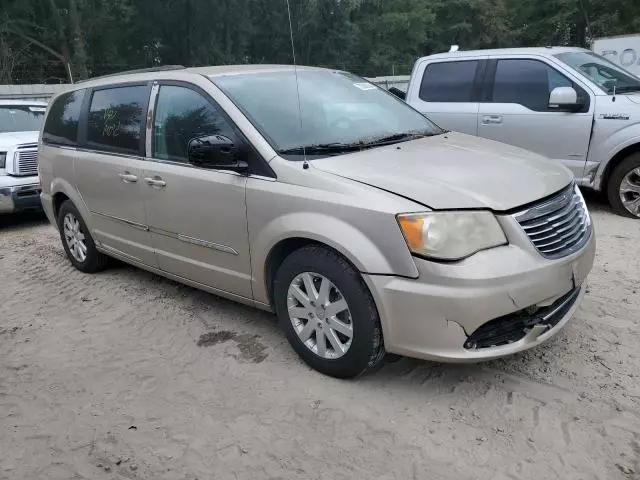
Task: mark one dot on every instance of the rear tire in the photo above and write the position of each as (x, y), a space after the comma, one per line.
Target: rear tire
(356, 343)
(624, 182)
(77, 241)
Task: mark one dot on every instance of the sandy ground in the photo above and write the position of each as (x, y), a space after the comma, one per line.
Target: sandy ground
(125, 375)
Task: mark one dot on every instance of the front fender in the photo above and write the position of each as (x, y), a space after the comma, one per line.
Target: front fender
(353, 245)
(607, 149)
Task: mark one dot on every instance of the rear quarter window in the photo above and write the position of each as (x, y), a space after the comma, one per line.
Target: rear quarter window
(61, 125)
(116, 120)
(449, 81)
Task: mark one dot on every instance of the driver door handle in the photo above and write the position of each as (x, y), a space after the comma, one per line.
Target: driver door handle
(491, 119)
(128, 177)
(155, 182)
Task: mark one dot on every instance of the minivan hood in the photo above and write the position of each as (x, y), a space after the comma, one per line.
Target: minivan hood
(11, 139)
(454, 170)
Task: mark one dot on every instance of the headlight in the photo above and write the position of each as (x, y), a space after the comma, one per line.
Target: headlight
(451, 235)
(3, 159)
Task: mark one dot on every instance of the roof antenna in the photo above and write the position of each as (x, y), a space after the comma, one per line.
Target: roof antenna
(305, 164)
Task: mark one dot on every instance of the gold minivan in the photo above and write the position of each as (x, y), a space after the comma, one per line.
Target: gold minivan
(314, 194)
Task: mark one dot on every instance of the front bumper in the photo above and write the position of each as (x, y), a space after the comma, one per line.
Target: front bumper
(432, 317)
(20, 198)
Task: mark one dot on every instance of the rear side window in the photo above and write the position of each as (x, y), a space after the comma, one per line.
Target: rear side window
(117, 119)
(61, 126)
(528, 83)
(449, 81)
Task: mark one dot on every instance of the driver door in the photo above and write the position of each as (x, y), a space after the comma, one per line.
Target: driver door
(197, 216)
(515, 110)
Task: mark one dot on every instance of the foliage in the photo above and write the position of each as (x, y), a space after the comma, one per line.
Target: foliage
(38, 38)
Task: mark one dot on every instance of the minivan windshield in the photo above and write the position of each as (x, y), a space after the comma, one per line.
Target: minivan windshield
(607, 75)
(339, 112)
(21, 118)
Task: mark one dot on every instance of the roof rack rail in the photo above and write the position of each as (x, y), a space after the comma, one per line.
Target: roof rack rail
(161, 68)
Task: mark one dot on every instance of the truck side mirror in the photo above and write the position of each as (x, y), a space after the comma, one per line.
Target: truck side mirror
(564, 98)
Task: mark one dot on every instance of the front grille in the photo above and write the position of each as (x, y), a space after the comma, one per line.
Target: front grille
(558, 226)
(513, 327)
(26, 161)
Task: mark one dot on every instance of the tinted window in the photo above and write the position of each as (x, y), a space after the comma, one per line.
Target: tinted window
(116, 118)
(527, 82)
(61, 127)
(183, 114)
(448, 82)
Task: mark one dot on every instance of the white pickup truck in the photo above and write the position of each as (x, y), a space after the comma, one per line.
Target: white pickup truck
(20, 123)
(568, 104)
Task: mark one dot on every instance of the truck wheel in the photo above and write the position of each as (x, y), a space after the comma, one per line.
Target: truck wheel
(623, 188)
(328, 313)
(77, 241)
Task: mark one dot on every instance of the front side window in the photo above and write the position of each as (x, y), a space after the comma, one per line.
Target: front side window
(327, 112)
(61, 126)
(21, 118)
(183, 114)
(449, 81)
(528, 83)
(116, 119)
(607, 75)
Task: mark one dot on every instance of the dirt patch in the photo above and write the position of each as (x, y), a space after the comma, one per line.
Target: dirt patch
(251, 349)
(210, 339)
(249, 346)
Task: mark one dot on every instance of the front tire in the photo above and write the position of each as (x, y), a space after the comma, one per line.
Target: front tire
(328, 313)
(77, 241)
(623, 188)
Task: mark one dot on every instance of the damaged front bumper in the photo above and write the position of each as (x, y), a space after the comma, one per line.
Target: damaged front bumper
(495, 303)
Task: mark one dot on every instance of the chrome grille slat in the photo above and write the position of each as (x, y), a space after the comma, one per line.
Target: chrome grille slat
(576, 219)
(569, 217)
(27, 161)
(559, 238)
(544, 220)
(558, 226)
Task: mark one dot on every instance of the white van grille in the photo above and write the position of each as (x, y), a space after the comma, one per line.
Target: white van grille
(558, 226)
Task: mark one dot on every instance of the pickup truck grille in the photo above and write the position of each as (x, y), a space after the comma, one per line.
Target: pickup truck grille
(558, 226)
(26, 162)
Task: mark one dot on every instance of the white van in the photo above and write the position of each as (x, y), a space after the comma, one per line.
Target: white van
(568, 104)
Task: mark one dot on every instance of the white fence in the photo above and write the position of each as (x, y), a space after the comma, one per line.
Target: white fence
(42, 93)
(39, 93)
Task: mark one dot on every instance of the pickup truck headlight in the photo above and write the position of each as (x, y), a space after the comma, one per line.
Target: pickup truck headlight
(3, 159)
(451, 235)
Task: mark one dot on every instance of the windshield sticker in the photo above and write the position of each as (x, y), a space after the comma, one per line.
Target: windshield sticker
(365, 86)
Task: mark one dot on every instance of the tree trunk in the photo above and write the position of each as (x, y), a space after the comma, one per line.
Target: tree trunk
(62, 38)
(79, 51)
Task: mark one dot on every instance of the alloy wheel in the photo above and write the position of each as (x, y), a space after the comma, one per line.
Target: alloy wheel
(320, 315)
(74, 237)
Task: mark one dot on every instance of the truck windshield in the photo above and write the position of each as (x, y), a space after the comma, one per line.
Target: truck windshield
(21, 118)
(607, 75)
(339, 112)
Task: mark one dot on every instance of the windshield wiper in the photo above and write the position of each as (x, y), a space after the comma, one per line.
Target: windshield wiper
(337, 148)
(396, 138)
(322, 149)
(627, 89)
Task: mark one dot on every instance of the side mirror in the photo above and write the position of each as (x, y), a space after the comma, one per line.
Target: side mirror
(215, 152)
(398, 93)
(564, 98)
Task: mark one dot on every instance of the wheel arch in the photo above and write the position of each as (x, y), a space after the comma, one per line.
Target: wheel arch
(616, 160)
(286, 234)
